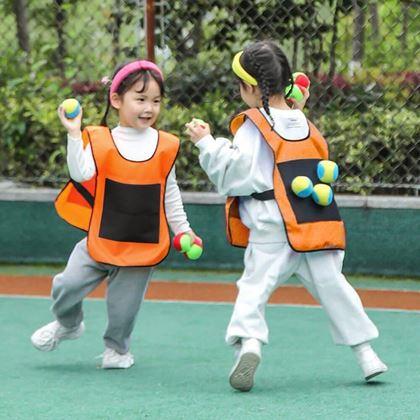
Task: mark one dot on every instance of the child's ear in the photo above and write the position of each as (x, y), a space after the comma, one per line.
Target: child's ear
(115, 100)
(255, 90)
(247, 87)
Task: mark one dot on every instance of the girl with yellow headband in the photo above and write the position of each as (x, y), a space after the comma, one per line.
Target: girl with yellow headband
(272, 144)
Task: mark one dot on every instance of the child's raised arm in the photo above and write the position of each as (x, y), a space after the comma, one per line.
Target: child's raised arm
(228, 164)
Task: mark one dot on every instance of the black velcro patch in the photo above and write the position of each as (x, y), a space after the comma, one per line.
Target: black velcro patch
(131, 213)
(305, 209)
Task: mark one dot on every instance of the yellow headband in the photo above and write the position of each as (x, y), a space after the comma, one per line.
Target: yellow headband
(241, 72)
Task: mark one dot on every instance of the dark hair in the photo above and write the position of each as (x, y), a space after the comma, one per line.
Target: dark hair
(129, 81)
(267, 63)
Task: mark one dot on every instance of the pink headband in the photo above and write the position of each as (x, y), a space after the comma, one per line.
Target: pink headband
(131, 68)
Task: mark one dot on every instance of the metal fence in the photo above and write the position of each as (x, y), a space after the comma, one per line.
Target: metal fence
(362, 58)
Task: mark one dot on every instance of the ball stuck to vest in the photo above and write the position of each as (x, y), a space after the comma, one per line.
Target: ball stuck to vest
(322, 194)
(327, 171)
(302, 186)
(71, 108)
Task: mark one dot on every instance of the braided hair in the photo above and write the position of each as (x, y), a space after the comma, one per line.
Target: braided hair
(128, 82)
(268, 64)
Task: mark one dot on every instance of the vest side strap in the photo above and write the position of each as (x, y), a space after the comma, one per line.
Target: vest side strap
(264, 196)
(83, 192)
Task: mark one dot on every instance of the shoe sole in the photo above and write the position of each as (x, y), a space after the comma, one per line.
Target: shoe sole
(110, 366)
(372, 375)
(242, 376)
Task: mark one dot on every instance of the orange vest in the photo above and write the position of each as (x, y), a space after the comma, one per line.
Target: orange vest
(122, 208)
(309, 227)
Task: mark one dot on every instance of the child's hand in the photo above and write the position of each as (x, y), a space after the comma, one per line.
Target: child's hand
(192, 234)
(301, 104)
(197, 129)
(73, 126)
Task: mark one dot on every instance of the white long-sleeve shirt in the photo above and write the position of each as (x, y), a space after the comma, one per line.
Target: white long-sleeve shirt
(245, 165)
(133, 145)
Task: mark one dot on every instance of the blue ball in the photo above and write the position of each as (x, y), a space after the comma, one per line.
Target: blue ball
(322, 194)
(71, 108)
(327, 171)
(302, 186)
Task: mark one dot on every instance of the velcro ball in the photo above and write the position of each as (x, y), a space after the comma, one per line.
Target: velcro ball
(199, 121)
(182, 242)
(327, 171)
(192, 249)
(71, 108)
(322, 194)
(196, 250)
(302, 186)
(301, 79)
(296, 93)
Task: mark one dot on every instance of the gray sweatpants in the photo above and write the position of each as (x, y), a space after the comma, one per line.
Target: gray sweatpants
(125, 293)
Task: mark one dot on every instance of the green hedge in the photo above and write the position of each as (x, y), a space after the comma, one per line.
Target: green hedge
(374, 143)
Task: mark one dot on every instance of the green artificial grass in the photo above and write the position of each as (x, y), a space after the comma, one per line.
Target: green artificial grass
(182, 365)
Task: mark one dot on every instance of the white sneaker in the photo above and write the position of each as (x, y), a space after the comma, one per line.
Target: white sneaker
(248, 358)
(369, 361)
(48, 337)
(114, 360)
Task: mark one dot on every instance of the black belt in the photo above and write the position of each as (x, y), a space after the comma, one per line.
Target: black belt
(264, 196)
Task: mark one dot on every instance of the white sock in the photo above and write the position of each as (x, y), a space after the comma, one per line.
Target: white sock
(252, 345)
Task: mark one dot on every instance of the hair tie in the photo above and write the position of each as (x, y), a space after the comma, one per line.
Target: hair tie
(106, 80)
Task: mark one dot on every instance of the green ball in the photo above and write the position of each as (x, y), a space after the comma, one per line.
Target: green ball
(302, 186)
(327, 171)
(199, 121)
(322, 194)
(295, 94)
(195, 252)
(185, 242)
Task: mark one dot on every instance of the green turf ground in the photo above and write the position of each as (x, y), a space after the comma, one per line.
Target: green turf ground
(182, 365)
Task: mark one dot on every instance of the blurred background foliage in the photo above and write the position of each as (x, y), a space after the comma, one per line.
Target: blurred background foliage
(362, 58)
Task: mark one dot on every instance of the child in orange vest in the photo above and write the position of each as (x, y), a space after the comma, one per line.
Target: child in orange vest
(123, 192)
(272, 144)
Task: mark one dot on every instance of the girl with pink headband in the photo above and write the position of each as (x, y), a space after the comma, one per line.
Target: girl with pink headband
(123, 193)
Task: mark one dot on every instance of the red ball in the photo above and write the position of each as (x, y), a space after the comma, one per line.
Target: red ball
(301, 79)
(182, 242)
(301, 88)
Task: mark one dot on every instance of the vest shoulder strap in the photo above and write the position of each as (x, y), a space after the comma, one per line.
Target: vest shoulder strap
(169, 137)
(257, 117)
(92, 131)
(253, 114)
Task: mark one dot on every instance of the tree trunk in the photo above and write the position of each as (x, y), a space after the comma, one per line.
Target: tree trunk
(405, 6)
(374, 20)
(20, 11)
(116, 30)
(358, 37)
(295, 49)
(60, 18)
(334, 41)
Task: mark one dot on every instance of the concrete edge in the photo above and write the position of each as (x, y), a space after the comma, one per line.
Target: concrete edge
(209, 198)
